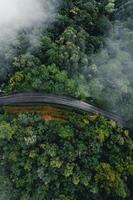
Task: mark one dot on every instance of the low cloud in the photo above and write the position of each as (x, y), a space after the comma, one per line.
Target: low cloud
(16, 15)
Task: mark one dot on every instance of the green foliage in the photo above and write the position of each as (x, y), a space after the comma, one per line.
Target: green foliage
(84, 159)
(65, 132)
(67, 44)
(110, 6)
(109, 180)
(42, 78)
(87, 157)
(25, 61)
(104, 25)
(5, 185)
(6, 130)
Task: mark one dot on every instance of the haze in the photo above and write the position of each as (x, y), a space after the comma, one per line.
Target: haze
(16, 15)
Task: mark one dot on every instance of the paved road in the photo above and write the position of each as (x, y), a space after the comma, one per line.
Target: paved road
(62, 101)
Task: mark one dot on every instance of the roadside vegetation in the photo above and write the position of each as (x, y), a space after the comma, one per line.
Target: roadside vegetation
(85, 157)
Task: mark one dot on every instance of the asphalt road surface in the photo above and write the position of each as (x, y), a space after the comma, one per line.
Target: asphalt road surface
(61, 101)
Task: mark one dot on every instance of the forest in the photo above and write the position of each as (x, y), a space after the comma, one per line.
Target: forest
(85, 52)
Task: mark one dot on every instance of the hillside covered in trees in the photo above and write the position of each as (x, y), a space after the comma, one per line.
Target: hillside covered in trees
(85, 52)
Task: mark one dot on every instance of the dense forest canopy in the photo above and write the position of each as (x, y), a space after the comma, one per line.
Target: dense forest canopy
(86, 52)
(87, 157)
(86, 44)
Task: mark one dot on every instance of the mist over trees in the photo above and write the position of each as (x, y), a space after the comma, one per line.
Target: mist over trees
(78, 48)
(87, 42)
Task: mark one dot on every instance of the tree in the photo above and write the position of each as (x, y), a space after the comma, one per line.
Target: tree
(84, 157)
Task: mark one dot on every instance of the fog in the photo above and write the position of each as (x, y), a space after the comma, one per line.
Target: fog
(112, 82)
(16, 15)
(26, 17)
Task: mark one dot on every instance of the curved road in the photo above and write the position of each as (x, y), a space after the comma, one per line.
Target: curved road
(61, 101)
